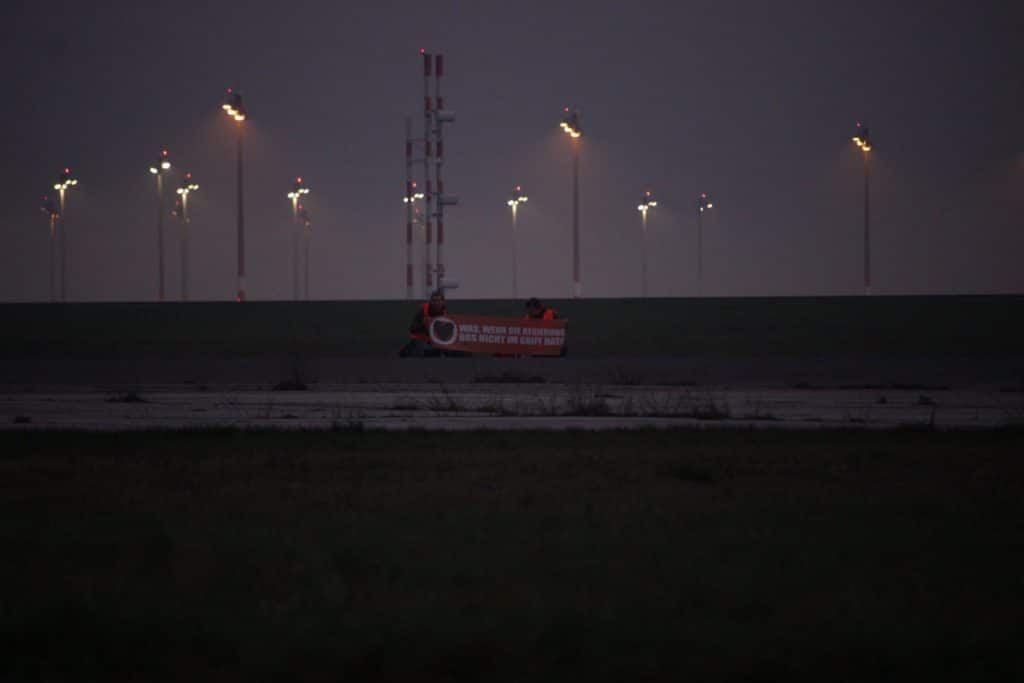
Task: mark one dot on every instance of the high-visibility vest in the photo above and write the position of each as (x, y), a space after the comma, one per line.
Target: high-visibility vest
(425, 336)
(548, 314)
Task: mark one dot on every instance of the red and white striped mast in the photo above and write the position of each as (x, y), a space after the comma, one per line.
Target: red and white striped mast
(441, 117)
(438, 162)
(428, 110)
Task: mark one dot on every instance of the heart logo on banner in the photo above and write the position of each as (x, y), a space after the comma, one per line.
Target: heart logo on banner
(443, 331)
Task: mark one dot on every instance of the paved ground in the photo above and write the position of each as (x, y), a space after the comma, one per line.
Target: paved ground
(821, 370)
(510, 406)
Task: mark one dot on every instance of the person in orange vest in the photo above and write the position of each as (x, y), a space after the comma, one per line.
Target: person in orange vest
(419, 330)
(535, 310)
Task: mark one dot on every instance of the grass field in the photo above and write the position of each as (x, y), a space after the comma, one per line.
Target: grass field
(939, 326)
(504, 557)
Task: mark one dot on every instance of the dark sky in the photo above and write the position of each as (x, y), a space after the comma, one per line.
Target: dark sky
(753, 102)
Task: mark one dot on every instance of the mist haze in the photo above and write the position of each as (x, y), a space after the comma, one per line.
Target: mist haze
(753, 103)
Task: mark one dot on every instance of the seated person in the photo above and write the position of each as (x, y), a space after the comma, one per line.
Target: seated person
(419, 330)
(535, 310)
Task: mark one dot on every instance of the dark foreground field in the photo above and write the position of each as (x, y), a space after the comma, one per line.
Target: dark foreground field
(503, 557)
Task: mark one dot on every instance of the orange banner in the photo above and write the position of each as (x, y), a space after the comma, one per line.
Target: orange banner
(498, 336)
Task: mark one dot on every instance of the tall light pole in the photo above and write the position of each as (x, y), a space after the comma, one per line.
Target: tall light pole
(703, 204)
(307, 225)
(517, 198)
(50, 209)
(65, 181)
(235, 109)
(187, 186)
(413, 217)
(159, 169)
(299, 190)
(647, 202)
(863, 139)
(571, 126)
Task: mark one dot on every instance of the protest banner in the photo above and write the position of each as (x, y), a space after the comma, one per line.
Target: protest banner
(498, 336)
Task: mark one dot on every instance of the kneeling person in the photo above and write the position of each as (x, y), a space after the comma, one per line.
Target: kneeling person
(419, 330)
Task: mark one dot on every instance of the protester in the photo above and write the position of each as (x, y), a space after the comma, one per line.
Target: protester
(535, 310)
(419, 330)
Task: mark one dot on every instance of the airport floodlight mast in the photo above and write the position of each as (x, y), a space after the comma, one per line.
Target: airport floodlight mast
(235, 109)
(50, 209)
(298, 191)
(188, 185)
(412, 218)
(434, 118)
(517, 198)
(441, 116)
(65, 181)
(862, 138)
(307, 227)
(703, 204)
(647, 202)
(160, 168)
(571, 126)
(428, 118)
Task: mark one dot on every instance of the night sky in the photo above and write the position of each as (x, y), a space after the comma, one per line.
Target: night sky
(752, 102)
